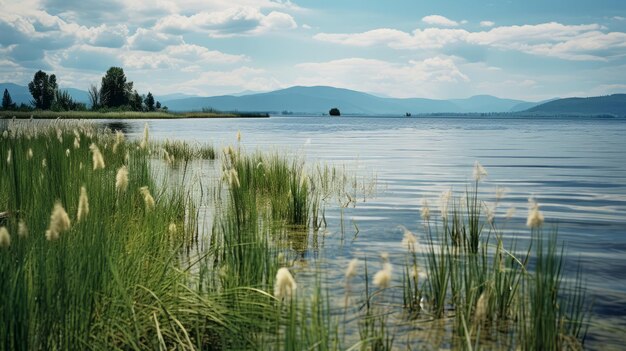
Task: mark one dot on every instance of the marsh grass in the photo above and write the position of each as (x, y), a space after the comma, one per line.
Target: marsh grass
(139, 274)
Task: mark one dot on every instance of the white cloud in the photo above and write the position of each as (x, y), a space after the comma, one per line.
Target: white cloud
(487, 23)
(438, 20)
(150, 40)
(229, 22)
(408, 79)
(236, 80)
(570, 42)
(306, 26)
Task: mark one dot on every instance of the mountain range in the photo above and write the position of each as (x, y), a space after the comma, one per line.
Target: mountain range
(319, 99)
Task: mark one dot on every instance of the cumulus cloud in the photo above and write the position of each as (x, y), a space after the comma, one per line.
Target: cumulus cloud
(236, 80)
(229, 22)
(570, 42)
(438, 20)
(150, 40)
(487, 23)
(406, 79)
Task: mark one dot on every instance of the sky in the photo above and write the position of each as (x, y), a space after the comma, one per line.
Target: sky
(530, 50)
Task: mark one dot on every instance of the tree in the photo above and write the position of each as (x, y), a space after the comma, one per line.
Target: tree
(114, 90)
(136, 101)
(94, 97)
(158, 105)
(7, 102)
(149, 101)
(334, 112)
(43, 89)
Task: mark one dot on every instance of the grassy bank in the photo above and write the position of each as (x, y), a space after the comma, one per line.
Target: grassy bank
(96, 252)
(125, 115)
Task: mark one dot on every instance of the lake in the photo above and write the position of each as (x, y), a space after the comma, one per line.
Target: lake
(574, 167)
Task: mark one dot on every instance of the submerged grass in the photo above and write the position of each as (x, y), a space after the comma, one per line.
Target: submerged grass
(96, 253)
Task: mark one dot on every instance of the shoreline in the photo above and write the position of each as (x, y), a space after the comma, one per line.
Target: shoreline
(124, 115)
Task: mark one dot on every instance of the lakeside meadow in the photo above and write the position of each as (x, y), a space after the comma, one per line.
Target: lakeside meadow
(111, 243)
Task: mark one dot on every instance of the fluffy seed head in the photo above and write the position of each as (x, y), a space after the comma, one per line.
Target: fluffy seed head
(172, 228)
(444, 201)
(535, 217)
(5, 238)
(22, 229)
(144, 141)
(29, 154)
(481, 307)
(147, 198)
(5, 134)
(285, 285)
(83, 204)
(59, 222)
(479, 172)
(121, 179)
(425, 213)
(98, 160)
(352, 268)
(510, 212)
(238, 136)
(382, 278)
(9, 157)
(409, 240)
(76, 143)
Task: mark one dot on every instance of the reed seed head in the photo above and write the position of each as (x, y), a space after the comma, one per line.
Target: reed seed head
(409, 240)
(29, 154)
(535, 217)
(144, 141)
(147, 198)
(479, 172)
(481, 307)
(238, 136)
(59, 222)
(285, 285)
(22, 229)
(172, 228)
(97, 159)
(5, 134)
(425, 212)
(382, 278)
(510, 213)
(352, 268)
(5, 238)
(444, 201)
(67, 152)
(76, 143)
(9, 157)
(83, 204)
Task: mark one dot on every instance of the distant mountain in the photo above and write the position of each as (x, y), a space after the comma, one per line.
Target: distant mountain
(487, 103)
(174, 96)
(21, 94)
(600, 105)
(319, 99)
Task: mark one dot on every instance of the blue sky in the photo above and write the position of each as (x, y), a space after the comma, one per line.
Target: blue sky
(529, 50)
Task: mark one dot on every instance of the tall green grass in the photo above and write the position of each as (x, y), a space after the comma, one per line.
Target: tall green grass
(139, 271)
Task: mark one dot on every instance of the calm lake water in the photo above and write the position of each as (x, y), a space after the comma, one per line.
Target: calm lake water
(575, 168)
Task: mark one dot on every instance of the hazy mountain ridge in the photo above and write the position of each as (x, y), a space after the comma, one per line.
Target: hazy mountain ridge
(597, 105)
(319, 99)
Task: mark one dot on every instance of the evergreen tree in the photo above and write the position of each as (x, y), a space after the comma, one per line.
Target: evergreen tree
(7, 102)
(158, 105)
(149, 101)
(43, 89)
(114, 90)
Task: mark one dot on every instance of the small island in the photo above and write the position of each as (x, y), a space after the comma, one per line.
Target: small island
(334, 112)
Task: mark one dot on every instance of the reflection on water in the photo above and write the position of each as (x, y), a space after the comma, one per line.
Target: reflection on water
(575, 168)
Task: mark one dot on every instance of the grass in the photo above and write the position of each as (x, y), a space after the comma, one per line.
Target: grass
(138, 270)
(38, 114)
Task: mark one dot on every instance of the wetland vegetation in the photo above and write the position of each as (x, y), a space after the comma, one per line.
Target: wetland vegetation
(109, 243)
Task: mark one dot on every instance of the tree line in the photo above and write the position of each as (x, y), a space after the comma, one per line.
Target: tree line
(114, 94)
